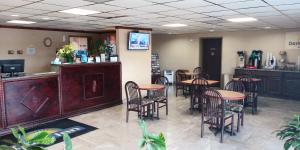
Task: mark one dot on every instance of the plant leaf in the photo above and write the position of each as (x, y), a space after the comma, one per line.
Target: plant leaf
(4, 147)
(67, 141)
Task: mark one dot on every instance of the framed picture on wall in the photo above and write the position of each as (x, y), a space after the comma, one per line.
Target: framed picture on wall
(79, 42)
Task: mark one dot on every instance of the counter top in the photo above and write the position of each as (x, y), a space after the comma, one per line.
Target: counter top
(85, 64)
(30, 75)
(273, 70)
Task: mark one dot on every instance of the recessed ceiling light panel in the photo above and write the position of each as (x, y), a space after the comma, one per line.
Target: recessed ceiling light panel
(175, 25)
(246, 19)
(78, 11)
(20, 22)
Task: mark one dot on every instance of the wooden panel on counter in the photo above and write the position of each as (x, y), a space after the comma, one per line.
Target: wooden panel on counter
(31, 99)
(1, 106)
(275, 83)
(88, 86)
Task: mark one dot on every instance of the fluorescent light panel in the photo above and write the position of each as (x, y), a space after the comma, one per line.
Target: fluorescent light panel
(20, 22)
(78, 11)
(246, 19)
(175, 25)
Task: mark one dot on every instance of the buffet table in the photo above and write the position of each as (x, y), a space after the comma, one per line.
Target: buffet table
(74, 89)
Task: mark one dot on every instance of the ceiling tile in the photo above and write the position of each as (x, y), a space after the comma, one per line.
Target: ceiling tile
(256, 10)
(129, 3)
(193, 16)
(175, 12)
(68, 3)
(222, 13)
(282, 2)
(102, 8)
(4, 7)
(245, 4)
(188, 4)
(18, 15)
(288, 7)
(131, 12)
(28, 11)
(155, 8)
(162, 1)
(42, 6)
(62, 15)
(13, 2)
(226, 1)
(211, 8)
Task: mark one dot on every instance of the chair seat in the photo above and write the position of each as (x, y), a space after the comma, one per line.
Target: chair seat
(236, 107)
(160, 99)
(145, 101)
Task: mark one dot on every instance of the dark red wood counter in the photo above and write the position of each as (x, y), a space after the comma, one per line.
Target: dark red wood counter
(75, 89)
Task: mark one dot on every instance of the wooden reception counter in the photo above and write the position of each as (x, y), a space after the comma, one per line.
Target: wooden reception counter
(74, 89)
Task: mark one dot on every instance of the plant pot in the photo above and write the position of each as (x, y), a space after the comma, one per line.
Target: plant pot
(102, 56)
(69, 59)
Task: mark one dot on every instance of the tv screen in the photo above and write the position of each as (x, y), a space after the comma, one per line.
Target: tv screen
(138, 41)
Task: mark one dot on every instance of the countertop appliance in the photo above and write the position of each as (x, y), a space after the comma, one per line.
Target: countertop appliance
(255, 59)
(241, 59)
(270, 61)
(169, 74)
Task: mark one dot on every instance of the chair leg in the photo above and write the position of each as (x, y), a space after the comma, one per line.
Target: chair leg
(167, 107)
(202, 127)
(127, 115)
(242, 117)
(157, 109)
(222, 130)
(176, 91)
(232, 123)
(238, 122)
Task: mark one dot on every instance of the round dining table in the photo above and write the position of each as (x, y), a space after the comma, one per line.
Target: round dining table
(231, 95)
(151, 87)
(250, 79)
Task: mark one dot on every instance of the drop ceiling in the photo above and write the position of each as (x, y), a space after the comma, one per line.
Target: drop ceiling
(199, 15)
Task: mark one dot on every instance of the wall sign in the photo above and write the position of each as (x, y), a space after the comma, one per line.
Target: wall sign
(292, 40)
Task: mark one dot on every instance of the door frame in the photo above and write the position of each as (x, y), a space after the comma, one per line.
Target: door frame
(202, 52)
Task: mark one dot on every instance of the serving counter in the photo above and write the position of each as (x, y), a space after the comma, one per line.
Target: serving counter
(275, 83)
(74, 89)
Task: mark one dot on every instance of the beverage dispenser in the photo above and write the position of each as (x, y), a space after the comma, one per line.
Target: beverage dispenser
(255, 59)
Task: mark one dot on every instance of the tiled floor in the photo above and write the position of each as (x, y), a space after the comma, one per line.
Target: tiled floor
(182, 130)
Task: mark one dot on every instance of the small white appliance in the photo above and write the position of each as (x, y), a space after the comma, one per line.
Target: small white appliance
(169, 74)
(270, 61)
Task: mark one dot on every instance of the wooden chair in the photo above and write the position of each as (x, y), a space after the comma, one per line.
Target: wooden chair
(236, 106)
(199, 73)
(161, 96)
(251, 89)
(135, 102)
(180, 76)
(214, 113)
(199, 85)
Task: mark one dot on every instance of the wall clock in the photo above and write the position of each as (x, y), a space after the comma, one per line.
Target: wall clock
(47, 41)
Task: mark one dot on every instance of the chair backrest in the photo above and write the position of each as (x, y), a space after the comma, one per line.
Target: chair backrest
(180, 75)
(237, 86)
(213, 105)
(133, 94)
(163, 81)
(201, 75)
(248, 84)
(199, 85)
(197, 70)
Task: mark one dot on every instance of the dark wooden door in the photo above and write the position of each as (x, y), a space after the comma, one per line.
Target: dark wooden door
(212, 52)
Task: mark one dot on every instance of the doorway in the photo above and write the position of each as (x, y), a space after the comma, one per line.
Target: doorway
(212, 57)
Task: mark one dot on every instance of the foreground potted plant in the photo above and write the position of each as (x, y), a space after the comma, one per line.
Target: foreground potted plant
(291, 134)
(35, 141)
(67, 53)
(151, 141)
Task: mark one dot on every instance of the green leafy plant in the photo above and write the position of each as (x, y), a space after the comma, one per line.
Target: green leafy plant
(151, 141)
(100, 48)
(66, 52)
(33, 141)
(291, 134)
(28, 142)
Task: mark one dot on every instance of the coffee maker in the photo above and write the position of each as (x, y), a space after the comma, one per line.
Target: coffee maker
(255, 59)
(241, 59)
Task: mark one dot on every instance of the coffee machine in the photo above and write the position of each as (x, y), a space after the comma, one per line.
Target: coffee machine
(241, 59)
(255, 59)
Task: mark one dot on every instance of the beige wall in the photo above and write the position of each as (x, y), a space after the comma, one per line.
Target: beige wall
(136, 64)
(21, 39)
(182, 51)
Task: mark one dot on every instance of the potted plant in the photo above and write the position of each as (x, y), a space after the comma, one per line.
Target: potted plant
(35, 141)
(67, 53)
(151, 141)
(100, 49)
(291, 134)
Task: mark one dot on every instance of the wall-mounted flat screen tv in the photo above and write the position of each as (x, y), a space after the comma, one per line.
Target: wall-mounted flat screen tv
(138, 41)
